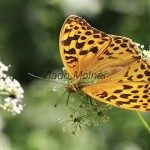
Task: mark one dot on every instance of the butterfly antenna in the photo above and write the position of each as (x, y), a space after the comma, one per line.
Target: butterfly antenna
(44, 79)
(67, 102)
(60, 99)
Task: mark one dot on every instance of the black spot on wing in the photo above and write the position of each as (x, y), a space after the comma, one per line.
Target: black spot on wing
(136, 106)
(139, 76)
(88, 33)
(70, 51)
(129, 51)
(83, 37)
(67, 30)
(125, 40)
(90, 42)
(96, 36)
(147, 73)
(76, 28)
(67, 41)
(135, 70)
(145, 96)
(71, 59)
(143, 66)
(117, 91)
(132, 45)
(123, 45)
(146, 86)
(83, 52)
(83, 28)
(79, 45)
(111, 45)
(94, 49)
(115, 48)
(145, 91)
(130, 78)
(76, 37)
(135, 91)
(118, 41)
(112, 97)
(122, 102)
(102, 95)
(100, 58)
(101, 42)
(125, 96)
(127, 87)
(107, 52)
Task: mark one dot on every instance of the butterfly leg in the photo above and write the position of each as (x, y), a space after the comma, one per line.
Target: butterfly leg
(60, 99)
(92, 104)
(84, 96)
(89, 99)
(67, 102)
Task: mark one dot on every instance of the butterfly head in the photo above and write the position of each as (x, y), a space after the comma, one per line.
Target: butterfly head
(71, 88)
(74, 87)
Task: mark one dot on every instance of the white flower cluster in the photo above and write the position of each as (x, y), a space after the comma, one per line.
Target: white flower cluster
(12, 92)
(85, 115)
(145, 53)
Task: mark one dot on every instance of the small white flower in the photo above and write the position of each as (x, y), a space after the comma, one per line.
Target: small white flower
(137, 44)
(61, 120)
(63, 69)
(12, 105)
(3, 69)
(55, 89)
(142, 46)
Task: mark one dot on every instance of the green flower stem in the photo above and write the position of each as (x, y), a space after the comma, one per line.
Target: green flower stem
(143, 121)
(4, 93)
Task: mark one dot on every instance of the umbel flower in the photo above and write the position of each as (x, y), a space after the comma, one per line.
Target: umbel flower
(11, 92)
(85, 114)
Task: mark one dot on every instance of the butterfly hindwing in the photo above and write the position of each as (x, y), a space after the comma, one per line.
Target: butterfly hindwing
(133, 95)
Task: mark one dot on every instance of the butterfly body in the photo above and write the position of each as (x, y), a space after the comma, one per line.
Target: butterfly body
(106, 67)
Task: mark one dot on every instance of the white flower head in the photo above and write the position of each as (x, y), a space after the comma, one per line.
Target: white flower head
(12, 90)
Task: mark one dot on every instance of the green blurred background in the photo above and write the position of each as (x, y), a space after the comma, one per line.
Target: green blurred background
(29, 41)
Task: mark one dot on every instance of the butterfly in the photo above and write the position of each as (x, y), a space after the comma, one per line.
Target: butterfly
(106, 67)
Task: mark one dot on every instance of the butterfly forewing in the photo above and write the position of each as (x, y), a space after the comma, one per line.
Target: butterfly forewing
(81, 44)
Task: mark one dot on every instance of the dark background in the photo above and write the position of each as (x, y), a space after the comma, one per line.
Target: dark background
(29, 41)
